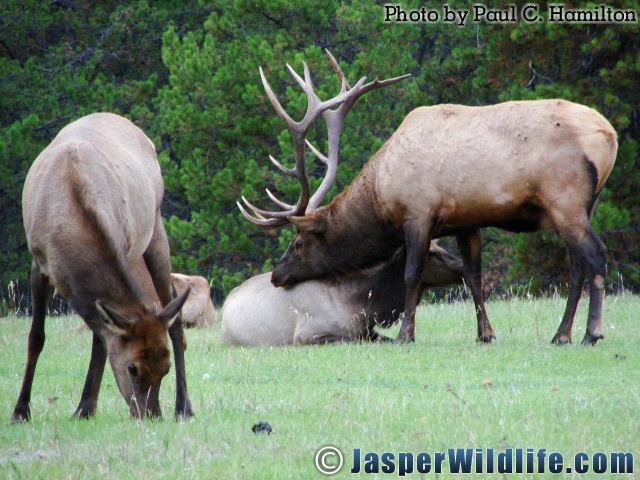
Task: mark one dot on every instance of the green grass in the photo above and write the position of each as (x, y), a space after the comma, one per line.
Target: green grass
(444, 391)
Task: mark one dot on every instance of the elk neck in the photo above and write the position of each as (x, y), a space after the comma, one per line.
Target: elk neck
(101, 270)
(359, 236)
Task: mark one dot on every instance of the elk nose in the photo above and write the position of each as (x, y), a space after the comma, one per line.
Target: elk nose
(274, 279)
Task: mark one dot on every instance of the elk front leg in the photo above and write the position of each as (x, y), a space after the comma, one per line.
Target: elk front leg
(89, 398)
(156, 258)
(576, 280)
(373, 336)
(471, 251)
(183, 403)
(40, 299)
(417, 240)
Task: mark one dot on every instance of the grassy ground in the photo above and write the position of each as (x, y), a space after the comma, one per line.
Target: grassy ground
(444, 391)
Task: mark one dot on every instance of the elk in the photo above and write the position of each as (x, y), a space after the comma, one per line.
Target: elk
(328, 310)
(451, 170)
(198, 310)
(91, 209)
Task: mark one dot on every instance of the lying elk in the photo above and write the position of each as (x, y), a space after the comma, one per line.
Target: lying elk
(198, 310)
(91, 207)
(328, 310)
(450, 170)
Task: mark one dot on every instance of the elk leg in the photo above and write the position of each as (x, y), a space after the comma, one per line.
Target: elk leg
(89, 398)
(40, 299)
(576, 280)
(471, 251)
(373, 336)
(583, 241)
(156, 258)
(183, 403)
(417, 241)
(324, 338)
(594, 253)
(152, 409)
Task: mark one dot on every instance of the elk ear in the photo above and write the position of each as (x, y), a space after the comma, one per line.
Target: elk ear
(115, 322)
(311, 224)
(169, 313)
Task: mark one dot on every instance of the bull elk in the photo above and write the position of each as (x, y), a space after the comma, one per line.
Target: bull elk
(328, 310)
(91, 209)
(451, 170)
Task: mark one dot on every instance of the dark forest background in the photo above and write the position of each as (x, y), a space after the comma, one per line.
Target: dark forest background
(187, 74)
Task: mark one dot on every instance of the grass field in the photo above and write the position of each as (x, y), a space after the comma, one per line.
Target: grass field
(444, 391)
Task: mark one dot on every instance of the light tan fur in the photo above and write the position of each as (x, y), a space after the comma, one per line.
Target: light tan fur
(198, 311)
(477, 165)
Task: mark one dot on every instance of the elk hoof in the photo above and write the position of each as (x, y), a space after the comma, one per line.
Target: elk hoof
(561, 339)
(83, 413)
(20, 416)
(184, 413)
(153, 413)
(486, 337)
(405, 339)
(592, 338)
(383, 339)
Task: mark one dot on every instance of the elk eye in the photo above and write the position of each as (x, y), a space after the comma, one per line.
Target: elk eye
(298, 244)
(132, 369)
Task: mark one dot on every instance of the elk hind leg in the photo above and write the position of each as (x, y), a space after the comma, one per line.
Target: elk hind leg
(582, 241)
(594, 253)
(40, 299)
(471, 250)
(576, 280)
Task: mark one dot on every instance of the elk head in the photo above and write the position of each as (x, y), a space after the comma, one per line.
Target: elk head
(306, 215)
(139, 353)
(444, 268)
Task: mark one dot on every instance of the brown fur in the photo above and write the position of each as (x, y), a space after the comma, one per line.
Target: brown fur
(450, 170)
(91, 209)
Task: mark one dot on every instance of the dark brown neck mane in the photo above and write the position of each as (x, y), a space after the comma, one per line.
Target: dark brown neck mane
(102, 276)
(360, 237)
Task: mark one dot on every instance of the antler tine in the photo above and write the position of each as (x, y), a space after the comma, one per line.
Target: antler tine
(261, 221)
(279, 202)
(265, 214)
(343, 80)
(382, 83)
(282, 168)
(316, 152)
(274, 101)
(297, 77)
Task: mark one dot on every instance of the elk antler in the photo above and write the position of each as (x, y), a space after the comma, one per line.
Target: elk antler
(341, 104)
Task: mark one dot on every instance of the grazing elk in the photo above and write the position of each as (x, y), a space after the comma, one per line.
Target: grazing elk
(91, 208)
(450, 170)
(328, 310)
(198, 310)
